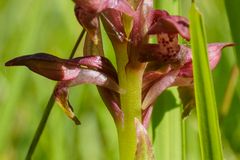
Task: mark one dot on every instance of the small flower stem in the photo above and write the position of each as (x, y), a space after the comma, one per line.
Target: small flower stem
(48, 109)
(131, 81)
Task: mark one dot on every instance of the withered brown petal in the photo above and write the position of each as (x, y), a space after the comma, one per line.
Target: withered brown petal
(61, 97)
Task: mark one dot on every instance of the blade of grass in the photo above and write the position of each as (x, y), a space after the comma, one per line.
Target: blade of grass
(166, 124)
(48, 108)
(232, 8)
(166, 121)
(209, 132)
(230, 91)
(192, 146)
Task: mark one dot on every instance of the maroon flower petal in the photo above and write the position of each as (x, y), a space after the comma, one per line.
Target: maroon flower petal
(59, 69)
(87, 12)
(123, 6)
(162, 22)
(158, 87)
(149, 78)
(94, 77)
(112, 21)
(90, 69)
(214, 52)
(47, 65)
(88, 76)
(97, 63)
(138, 35)
(97, 6)
(144, 146)
(95, 59)
(214, 55)
(165, 53)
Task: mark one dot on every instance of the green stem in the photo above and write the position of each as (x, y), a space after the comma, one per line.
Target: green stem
(131, 81)
(48, 109)
(184, 142)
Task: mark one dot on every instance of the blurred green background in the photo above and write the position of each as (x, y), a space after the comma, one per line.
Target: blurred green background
(32, 26)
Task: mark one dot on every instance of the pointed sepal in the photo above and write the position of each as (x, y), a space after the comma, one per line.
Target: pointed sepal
(214, 55)
(88, 11)
(158, 87)
(144, 147)
(47, 65)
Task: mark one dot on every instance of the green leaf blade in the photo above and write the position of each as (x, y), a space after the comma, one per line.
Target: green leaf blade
(210, 139)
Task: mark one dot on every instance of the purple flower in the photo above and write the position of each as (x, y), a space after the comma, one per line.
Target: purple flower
(165, 63)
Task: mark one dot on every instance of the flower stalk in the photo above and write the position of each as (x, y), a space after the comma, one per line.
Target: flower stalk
(130, 81)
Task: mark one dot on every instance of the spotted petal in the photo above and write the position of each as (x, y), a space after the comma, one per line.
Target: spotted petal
(162, 22)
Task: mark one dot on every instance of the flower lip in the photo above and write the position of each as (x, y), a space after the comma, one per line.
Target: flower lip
(161, 21)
